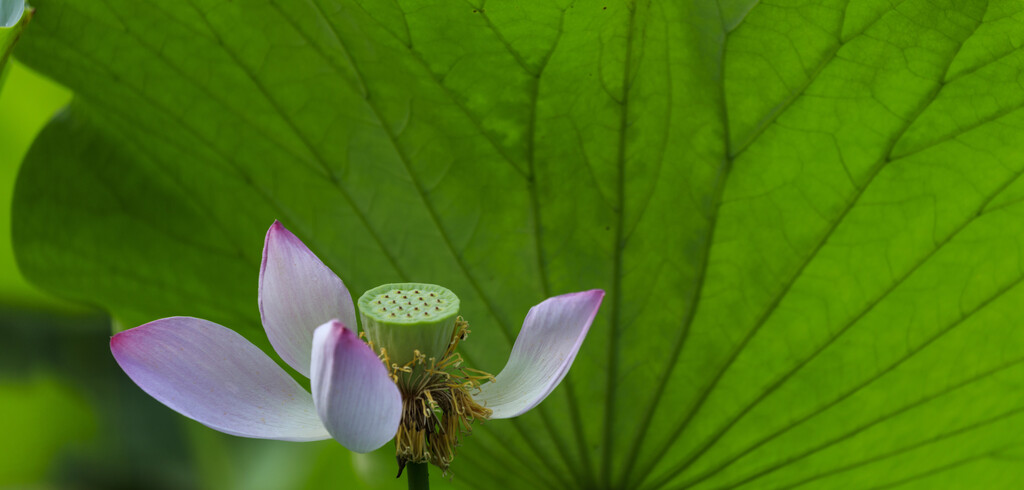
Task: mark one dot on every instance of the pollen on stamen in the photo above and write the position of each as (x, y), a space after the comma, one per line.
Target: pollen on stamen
(437, 407)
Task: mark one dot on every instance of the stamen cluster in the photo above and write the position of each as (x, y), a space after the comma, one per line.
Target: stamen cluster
(436, 403)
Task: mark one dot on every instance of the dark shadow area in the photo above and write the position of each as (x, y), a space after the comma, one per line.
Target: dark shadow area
(136, 442)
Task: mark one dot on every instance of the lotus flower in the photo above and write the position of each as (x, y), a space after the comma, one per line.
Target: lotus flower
(361, 395)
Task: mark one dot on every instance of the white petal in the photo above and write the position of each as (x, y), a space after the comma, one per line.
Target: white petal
(216, 377)
(297, 294)
(547, 344)
(356, 399)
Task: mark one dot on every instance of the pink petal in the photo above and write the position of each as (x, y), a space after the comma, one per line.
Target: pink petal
(543, 353)
(354, 395)
(297, 294)
(216, 377)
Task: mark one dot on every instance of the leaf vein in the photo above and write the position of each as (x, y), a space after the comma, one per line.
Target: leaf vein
(876, 169)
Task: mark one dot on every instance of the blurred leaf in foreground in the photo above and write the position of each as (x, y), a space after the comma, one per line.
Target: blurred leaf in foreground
(27, 101)
(43, 418)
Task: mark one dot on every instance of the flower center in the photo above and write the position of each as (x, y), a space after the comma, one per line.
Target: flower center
(437, 406)
(415, 329)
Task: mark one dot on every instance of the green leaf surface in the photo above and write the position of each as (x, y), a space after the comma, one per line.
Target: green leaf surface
(807, 215)
(27, 102)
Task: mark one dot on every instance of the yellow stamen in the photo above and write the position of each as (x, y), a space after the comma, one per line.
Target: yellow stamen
(436, 403)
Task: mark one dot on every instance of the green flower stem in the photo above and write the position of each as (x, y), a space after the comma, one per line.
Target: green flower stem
(417, 474)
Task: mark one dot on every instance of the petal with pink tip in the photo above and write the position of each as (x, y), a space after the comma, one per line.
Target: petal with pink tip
(216, 377)
(354, 395)
(298, 293)
(547, 344)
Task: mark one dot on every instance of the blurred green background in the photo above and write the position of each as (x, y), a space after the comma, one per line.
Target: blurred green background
(72, 420)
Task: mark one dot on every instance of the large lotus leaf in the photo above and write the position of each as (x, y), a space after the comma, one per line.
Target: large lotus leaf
(807, 215)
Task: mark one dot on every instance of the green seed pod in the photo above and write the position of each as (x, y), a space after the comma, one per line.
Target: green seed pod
(406, 317)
